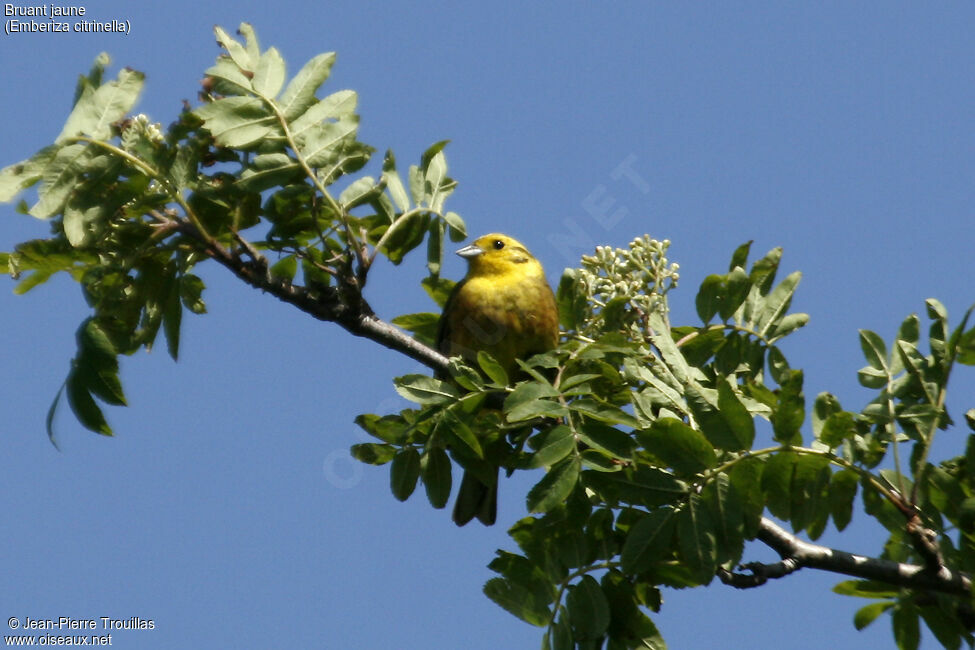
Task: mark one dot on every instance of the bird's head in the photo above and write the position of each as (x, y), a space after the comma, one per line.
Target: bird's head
(497, 254)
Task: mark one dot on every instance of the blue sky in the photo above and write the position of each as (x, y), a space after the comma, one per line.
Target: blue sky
(227, 509)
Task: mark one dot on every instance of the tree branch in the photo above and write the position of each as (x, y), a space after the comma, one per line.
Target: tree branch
(796, 554)
(324, 303)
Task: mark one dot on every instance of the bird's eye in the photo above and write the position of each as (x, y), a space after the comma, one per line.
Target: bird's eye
(498, 244)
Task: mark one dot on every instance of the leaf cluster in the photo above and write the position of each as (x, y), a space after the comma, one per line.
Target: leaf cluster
(260, 177)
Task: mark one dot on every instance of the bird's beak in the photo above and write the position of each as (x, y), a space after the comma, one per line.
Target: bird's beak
(468, 252)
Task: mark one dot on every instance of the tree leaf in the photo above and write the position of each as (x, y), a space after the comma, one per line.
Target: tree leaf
(649, 541)
(696, 539)
(874, 349)
(555, 487)
(373, 453)
(436, 471)
(237, 121)
(867, 615)
(492, 368)
(94, 113)
(300, 93)
(404, 472)
(269, 74)
(517, 600)
(552, 446)
(425, 390)
(588, 609)
(679, 446)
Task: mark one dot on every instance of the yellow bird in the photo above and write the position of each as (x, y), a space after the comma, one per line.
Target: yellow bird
(505, 307)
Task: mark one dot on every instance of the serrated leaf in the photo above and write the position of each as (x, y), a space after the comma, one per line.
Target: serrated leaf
(94, 114)
(649, 541)
(300, 93)
(492, 368)
(588, 609)
(552, 446)
(425, 390)
(236, 121)
(456, 227)
(321, 144)
(696, 540)
(608, 413)
(334, 107)
(238, 52)
(777, 303)
(555, 487)
(678, 445)
(269, 74)
(874, 349)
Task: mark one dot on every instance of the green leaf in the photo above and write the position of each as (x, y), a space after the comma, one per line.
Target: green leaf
(790, 410)
(721, 498)
(867, 615)
(648, 486)
(458, 431)
(94, 113)
(60, 177)
(552, 446)
(517, 600)
(788, 325)
(269, 74)
(237, 121)
(649, 541)
(240, 55)
(492, 368)
(423, 326)
(738, 286)
(907, 630)
(373, 453)
(49, 420)
(777, 303)
(404, 472)
(84, 406)
(703, 403)
(874, 349)
(359, 192)
(528, 400)
(740, 257)
(336, 106)
(267, 171)
(777, 483)
(679, 446)
(425, 390)
(435, 469)
(285, 268)
(865, 589)
(555, 487)
(596, 410)
(456, 227)
(746, 477)
(709, 297)
(842, 492)
(299, 96)
(838, 428)
(607, 439)
(19, 176)
(696, 539)
(322, 144)
(735, 415)
(588, 609)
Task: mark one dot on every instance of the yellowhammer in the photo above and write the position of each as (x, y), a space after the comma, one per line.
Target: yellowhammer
(505, 307)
